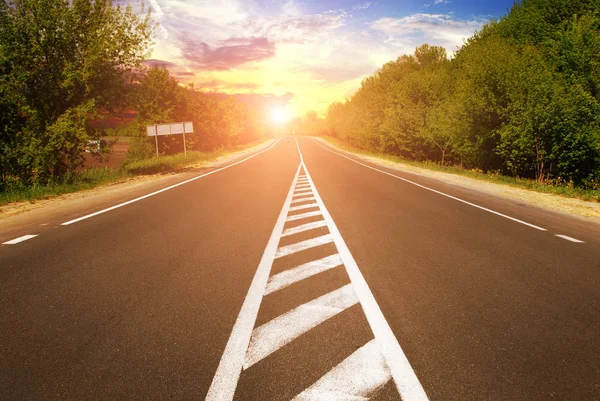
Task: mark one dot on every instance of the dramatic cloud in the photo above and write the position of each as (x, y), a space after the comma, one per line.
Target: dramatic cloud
(232, 53)
(270, 49)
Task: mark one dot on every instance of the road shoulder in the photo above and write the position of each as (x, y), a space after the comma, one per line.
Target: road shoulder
(19, 216)
(588, 211)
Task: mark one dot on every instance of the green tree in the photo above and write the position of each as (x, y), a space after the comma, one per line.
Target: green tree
(62, 62)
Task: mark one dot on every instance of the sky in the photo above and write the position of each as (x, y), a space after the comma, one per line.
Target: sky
(304, 54)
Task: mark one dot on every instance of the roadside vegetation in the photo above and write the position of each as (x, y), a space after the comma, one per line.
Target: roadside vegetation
(519, 103)
(95, 177)
(61, 76)
(563, 189)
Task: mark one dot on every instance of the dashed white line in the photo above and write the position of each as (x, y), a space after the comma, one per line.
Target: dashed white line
(436, 191)
(165, 189)
(304, 227)
(566, 237)
(301, 192)
(303, 245)
(282, 330)
(20, 239)
(299, 273)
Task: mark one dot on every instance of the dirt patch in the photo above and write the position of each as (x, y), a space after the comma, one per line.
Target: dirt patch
(590, 211)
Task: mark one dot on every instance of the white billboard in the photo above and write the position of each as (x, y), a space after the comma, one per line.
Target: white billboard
(170, 129)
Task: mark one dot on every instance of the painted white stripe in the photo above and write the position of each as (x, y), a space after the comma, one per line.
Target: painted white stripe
(305, 199)
(302, 186)
(303, 215)
(285, 328)
(436, 191)
(357, 377)
(570, 238)
(302, 207)
(299, 273)
(228, 372)
(166, 189)
(304, 227)
(303, 245)
(406, 380)
(20, 239)
(302, 192)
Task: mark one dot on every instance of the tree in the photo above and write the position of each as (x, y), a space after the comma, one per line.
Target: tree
(62, 62)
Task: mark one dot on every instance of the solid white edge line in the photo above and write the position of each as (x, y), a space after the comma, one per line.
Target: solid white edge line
(406, 380)
(165, 189)
(228, 372)
(434, 190)
(566, 237)
(20, 239)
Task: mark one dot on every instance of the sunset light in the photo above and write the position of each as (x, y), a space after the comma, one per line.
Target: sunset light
(280, 116)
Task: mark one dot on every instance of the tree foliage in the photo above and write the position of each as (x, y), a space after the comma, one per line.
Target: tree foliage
(521, 97)
(62, 62)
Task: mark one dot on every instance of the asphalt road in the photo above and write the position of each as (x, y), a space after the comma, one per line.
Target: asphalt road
(302, 275)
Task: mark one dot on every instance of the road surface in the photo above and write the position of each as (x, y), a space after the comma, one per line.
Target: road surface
(301, 273)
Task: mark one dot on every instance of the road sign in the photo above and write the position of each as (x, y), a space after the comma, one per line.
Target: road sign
(170, 129)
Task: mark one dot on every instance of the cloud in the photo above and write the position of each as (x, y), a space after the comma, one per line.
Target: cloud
(363, 6)
(436, 29)
(296, 28)
(233, 52)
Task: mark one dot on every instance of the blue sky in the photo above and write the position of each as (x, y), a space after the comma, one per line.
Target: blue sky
(308, 53)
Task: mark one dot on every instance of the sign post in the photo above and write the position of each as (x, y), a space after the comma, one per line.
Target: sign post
(171, 129)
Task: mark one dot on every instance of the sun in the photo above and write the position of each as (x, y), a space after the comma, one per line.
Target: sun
(280, 116)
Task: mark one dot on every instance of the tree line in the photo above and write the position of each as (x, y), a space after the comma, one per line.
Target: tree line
(66, 63)
(521, 98)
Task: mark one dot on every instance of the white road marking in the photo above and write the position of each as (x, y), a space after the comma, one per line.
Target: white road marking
(302, 207)
(436, 191)
(285, 328)
(303, 215)
(20, 239)
(303, 245)
(228, 372)
(302, 192)
(303, 186)
(305, 199)
(357, 377)
(165, 189)
(299, 273)
(304, 227)
(570, 238)
(406, 380)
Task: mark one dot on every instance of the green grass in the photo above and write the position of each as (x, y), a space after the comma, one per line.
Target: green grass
(94, 177)
(562, 190)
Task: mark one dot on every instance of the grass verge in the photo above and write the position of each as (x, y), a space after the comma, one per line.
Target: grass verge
(94, 177)
(532, 185)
